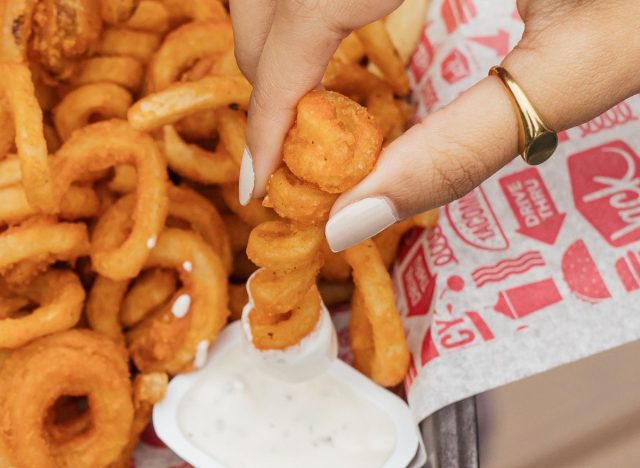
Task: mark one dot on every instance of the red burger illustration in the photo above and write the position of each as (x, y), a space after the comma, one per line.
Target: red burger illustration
(582, 275)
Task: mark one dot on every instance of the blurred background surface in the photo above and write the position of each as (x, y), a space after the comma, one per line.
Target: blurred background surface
(585, 414)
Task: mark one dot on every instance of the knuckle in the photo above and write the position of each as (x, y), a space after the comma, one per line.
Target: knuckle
(458, 169)
(301, 8)
(322, 14)
(245, 64)
(268, 97)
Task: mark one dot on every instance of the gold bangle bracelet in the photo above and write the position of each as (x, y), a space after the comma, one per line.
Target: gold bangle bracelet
(536, 141)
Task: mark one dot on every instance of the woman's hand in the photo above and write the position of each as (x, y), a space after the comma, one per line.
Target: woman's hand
(576, 59)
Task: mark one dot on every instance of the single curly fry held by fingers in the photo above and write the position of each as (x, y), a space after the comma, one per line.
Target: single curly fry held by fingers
(293, 198)
(285, 300)
(327, 159)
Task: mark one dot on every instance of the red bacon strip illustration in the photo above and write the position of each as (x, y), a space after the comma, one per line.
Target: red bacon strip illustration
(507, 267)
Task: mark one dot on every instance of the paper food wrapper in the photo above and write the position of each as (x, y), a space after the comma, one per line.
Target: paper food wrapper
(539, 266)
(536, 268)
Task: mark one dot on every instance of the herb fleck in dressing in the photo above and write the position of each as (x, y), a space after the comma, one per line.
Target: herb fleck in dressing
(245, 418)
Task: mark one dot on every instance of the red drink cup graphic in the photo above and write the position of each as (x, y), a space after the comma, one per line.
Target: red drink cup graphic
(524, 300)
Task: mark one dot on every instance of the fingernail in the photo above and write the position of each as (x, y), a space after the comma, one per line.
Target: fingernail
(359, 221)
(247, 178)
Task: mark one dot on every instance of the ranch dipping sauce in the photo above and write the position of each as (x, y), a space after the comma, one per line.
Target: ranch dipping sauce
(245, 418)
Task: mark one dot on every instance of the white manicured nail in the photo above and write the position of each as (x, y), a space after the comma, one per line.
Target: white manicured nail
(247, 178)
(359, 221)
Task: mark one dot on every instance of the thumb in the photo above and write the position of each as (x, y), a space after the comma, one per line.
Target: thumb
(453, 150)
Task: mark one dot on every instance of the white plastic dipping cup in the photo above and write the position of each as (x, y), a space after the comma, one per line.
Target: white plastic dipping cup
(307, 359)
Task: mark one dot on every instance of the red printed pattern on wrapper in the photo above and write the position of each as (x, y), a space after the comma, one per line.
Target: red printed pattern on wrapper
(499, 42)
(455, 333)
(582, 275)
(474, 221)
(407, 242)
(429, 351)
(455, 67)
(439, 248)
(563, 136)
(422, 58)
(419, 283)
(457, 12)
(149, 437)
(516, 15)
(507, 267)
(526, 299)
(617, 115)
(411, 375)
(628, 270)
(532, 205)
(606, 190)
(429, 96)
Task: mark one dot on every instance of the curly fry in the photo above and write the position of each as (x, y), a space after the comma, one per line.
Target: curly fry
(59, 296)
(103, 145)
(169, 339)
(105, 100)
(182, 99)
(377, 337)
(15, 82)
(71, 363)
